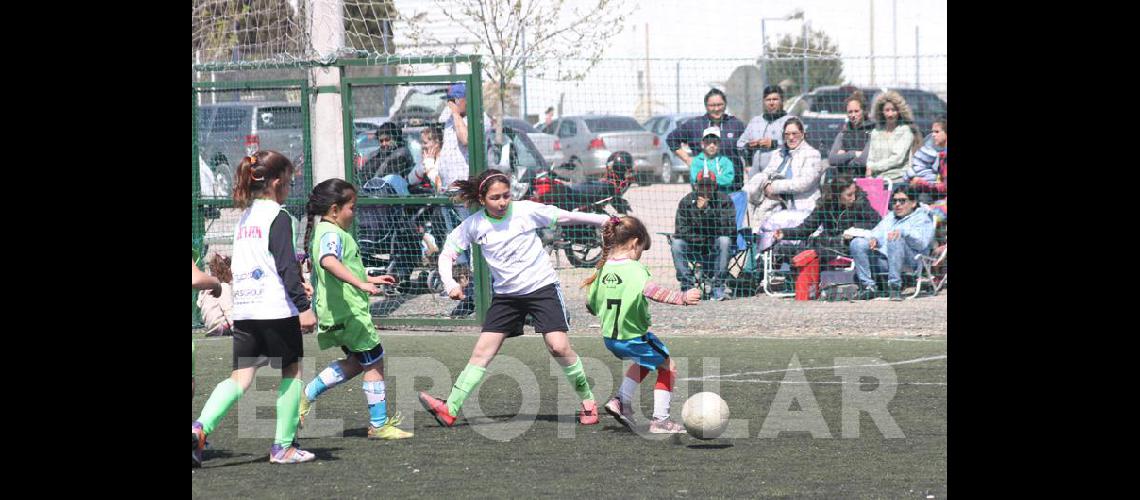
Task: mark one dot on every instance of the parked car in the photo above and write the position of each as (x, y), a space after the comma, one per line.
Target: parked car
(824, 112)
(422, 105)
(227, 132)
(587, 141)
(674, 170)
(547, 144)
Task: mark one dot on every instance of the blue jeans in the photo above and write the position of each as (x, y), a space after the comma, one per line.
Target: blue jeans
(684, 252)
(870, 262)
(740, 203)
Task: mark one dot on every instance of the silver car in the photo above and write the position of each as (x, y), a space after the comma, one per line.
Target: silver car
(675, 169)
(587, 141)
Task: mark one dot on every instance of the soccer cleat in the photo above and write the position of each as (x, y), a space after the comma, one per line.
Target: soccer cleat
(618, 411)
(438, 409)
(290, 455)
(198, 442)
(387, 431)
(588, 415)
(306, 407)
(665, 426)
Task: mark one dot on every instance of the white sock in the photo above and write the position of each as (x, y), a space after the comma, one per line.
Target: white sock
(625, 394)
(661, 400)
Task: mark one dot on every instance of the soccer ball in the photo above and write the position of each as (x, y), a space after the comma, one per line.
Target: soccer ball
(705, 415)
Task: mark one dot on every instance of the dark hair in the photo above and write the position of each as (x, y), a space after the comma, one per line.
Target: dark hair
(857, 96)
(908, 190)
(324, 196)
(549, 110)
(836, 186)
(713, 92)
(773, 89)
(472, 191)
(794, 121)
(941, 121)
(616, 232)
(256, 173)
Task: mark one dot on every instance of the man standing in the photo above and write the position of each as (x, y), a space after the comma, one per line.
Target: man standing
(689, 134)
(453, 164)
(764, 132)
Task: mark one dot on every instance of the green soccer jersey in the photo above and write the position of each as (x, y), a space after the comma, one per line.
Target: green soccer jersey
(342, 309)
(616, 296)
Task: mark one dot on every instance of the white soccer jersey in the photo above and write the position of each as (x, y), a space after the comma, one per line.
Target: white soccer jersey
(511, 245)
(258, 291)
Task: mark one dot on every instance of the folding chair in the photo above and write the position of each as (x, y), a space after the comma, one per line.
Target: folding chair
(926, 275)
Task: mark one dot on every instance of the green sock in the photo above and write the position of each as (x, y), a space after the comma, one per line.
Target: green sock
(223, 397)
(288, 411)
(577, 377)
(468, 380)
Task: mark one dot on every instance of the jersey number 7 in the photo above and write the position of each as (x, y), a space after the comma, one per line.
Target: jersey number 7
(610, 303)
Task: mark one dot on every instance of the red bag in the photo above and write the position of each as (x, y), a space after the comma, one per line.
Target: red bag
(807, 283)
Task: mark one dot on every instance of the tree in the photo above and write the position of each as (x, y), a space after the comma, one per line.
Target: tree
(786, 61)
(246, 30)
(555, 31)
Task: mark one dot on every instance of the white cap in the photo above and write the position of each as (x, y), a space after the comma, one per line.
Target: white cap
(711, 131)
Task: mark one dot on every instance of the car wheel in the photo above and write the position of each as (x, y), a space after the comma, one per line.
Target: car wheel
(667, 175)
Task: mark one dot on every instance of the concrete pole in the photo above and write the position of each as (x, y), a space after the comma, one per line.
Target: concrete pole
(327, 120)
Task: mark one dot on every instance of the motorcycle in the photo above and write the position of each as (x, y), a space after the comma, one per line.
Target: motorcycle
(582, 244)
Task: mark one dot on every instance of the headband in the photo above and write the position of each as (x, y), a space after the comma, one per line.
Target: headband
(492, 176)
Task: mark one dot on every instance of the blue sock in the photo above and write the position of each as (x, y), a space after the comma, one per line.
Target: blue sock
(377, 404)
(328, 378)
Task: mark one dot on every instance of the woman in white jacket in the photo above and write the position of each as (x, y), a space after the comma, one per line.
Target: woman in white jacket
(787, 189)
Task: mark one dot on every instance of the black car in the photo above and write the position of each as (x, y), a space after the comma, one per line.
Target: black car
(824, 111)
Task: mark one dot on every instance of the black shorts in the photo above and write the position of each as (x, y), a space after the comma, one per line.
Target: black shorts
(508, 312)
(368, 357)
(277, 341)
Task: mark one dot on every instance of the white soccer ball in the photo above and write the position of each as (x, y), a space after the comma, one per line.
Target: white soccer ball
(705, 415)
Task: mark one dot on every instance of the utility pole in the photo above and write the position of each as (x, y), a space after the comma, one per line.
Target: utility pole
(872, 32)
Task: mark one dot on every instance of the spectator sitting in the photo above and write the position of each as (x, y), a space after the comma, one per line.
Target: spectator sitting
(425, 176)
(849, 151)
(844, 206)
(927, 172)
(393, 157)
(218, 311)
(786, 191)
(905, 232)
(704, 227)
(720, 166)
(893, 139)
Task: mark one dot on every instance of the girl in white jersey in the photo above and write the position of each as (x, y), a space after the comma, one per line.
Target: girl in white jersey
(270, 305)
(523, 281)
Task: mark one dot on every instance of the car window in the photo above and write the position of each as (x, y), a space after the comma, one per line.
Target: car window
(831, 102)
(279, 117)
(612, 124)
(230, 119)
(520, 125)
(568, 129)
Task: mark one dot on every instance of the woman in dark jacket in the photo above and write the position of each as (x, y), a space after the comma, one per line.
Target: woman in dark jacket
(849, 151)
(843, 206)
